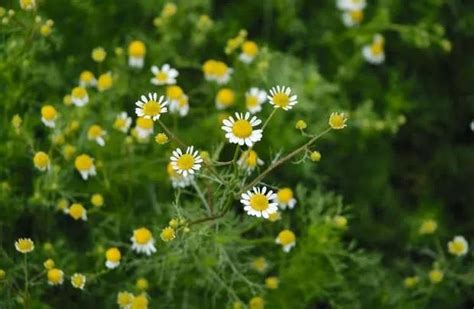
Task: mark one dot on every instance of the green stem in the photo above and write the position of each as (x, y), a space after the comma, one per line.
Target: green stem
(269, 117)
(26, 300)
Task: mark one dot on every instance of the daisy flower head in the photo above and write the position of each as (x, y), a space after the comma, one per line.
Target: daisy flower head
(78, 281)
(428, 227)
(140, 302)
(112, 257)
(254, 98)
(285, 198)
(351, 4)
(178, 180)
(217, 71)
(122, 122)
(458, 246)
(151, 107)
(87, 79)
(85, 166)
(352, 18)
(337, 121)
(164, 76)
(144, 128)
(24, 245)
(249, 51)
(55, 276)
(77, 211)
(287, 239)
(187, 163)
(97, 134)
(241, 129)
(374, 52)
(79, 96)
(28, 5)
(260, 264)
(256, 302)
(161, 138)
(225, 97)
(436, 276)
(143, 241)
(104, 82)
(272, 283)
(136, 54)
(41, 161)
(49, 116)
(282, 97)
(98, 54)
(49, 264)
(167, 234)
(249, 160)
(259, 202)
(124, 300)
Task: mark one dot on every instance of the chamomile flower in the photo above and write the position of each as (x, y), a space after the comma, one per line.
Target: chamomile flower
(282, 97)
(428, 227)
(254, 98)
(85, 166)
(97, 134)
(55, 276)
(272, 283)
(28, 5)
(125, 299)
(140, 302)
(241, 129)
(337, 121)
(98, 54)
(41, 161)
(24, 245)
(97, 200)
(410, 282)
(144, 128)
(259, 203)
(352, 18)
(187, 163)
(143, 241)
(260, 264)
(164, 76)
(285, 198)
(79, 96)
(249, 160)
(225, 97)
(49, 264)
(104, 82)
(87, 79)
(112, 257)
(374, 53)
(49, 116)
(151, 107)
(180, 106)
(142, 284)
(351, 4)
(78, 281)
(217, 71)
(458, 246)
(436, 276)
(77, 211)
(249, 52)
(167, 234)
(256, 302)
(136, 54)
(122, 122)
(178, 180)
(287, 239)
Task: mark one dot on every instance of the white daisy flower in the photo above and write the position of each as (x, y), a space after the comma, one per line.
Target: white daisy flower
(136, 54)
(349, 5)
(249, 52)
(249, 160)
(285, 198)
(180, 106)
(78, 281)
(166, 76)
(281, 97)
(79, 96)
(186, 163)
(177, 180)
(85, 166)
(112, 258)
(143, 241)
(254, 98)
(352, 18)
(97, 134)
(259, 203)
(241, 130)
(87, 79)
(458, 246)
(151, 107)
(374, 53)
(287, 239)
(123, 122)
(49, 116)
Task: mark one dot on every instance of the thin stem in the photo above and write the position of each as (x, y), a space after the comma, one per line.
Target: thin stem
(26, 300)
(168, 131)
(269, 117)
(201, 196)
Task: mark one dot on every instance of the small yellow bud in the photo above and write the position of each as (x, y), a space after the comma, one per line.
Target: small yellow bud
(161, 138)
(97, 200)
(410, 282)
(98, 54)
(142, 284)
(436, 276)
(340, 222)
(301, 125)
(49, 264)
(173, 223)
(67, 100)
(16, 122)
(2, 274)
(315, 156)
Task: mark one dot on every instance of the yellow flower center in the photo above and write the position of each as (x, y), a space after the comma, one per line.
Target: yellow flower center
(124, 299)
(48, 112)
(174, 92)
(119, 123)
(152, 108)
(161, 76)
(41, 159)
(285, 195)
(145, 123)
(86, 76)
(25, 245)
(357, 15)
(259, 202)
(259, 264)
(167, 234)
(456, 247)
(55, 275)
(142, 236)
(436, 276)
(251, 158)
(140, 302)
(95, 131)
(113, 255)
(98, 54)
(281, 100)
(97, 200)
(220, 68)
(136, 49)
(104, 82)
(225, 96)
(377, 48)
(251, 101)
(77, 280)
(286, 237)
(337, 121)
(79, 92)
(185, 162)
(83, 162)
(256, 303)
(250, 48)
(242, 128)
(76, 211)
